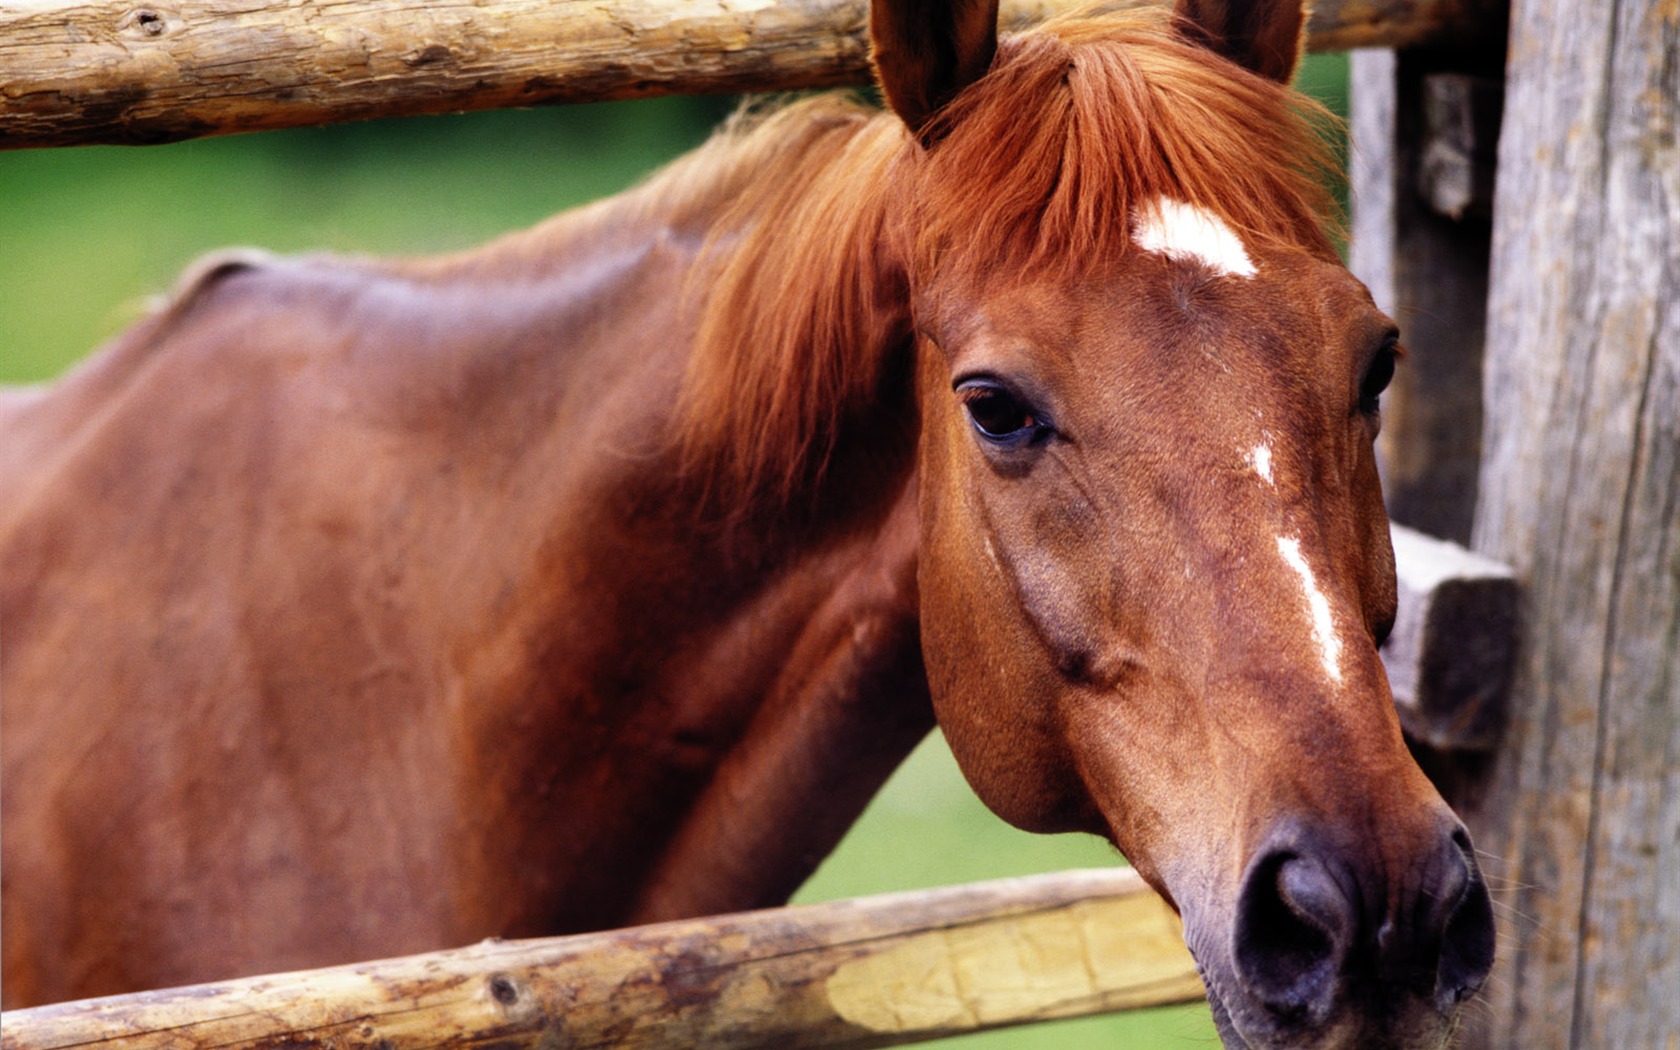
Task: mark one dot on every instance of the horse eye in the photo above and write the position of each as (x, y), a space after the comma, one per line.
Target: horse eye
(1377, 377)
(998, 415)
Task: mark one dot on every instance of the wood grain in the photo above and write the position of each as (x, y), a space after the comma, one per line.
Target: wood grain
(865, 972)
(1580, 493)
(135, 71)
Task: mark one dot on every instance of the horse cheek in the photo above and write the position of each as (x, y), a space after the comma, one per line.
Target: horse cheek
(990, 682)
(1379, 586)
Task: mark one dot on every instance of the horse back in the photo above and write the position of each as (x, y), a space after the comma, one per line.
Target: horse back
(255, 553)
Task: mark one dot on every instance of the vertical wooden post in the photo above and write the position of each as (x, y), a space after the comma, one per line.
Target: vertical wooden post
(1579, 815)
(1423, 125)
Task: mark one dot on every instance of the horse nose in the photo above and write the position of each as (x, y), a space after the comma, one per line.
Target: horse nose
(1295, 926)
(1306, 940)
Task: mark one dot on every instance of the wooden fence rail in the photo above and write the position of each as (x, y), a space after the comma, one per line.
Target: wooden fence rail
(75, 72)
(872, 971)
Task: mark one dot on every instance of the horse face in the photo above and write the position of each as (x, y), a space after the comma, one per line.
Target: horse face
(1155, 566)
(1154, 559)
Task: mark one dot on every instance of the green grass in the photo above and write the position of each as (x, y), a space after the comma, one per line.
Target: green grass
(87, 235)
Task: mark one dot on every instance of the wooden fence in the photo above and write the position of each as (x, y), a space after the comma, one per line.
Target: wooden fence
(84, 71)
(874, 971)
(1517, 208)
(1558, 452)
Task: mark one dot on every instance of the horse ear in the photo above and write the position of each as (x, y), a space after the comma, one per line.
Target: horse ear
(1264, 36)
(928, 50)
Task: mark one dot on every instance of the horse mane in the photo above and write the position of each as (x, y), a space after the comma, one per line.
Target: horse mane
(799, 305)
(1037, 167)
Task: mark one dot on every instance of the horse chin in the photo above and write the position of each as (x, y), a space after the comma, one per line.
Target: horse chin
(1218, 984)
(1243, 1024)
(1349, 1035)
(1229, 1037)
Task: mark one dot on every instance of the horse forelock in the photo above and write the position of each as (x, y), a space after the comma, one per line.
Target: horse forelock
(1044, 164)
(1041, 166)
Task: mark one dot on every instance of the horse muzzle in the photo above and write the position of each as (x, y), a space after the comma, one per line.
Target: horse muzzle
(1324, 950)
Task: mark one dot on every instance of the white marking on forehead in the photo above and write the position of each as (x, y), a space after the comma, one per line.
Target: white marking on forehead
(1260, 459)
(1191, 234)
(1318, 608)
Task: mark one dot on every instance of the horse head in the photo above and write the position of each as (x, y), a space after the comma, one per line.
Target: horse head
(1155, 564)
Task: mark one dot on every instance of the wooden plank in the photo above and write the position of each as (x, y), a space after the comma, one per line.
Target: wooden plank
(857, 973)
(1578, 820)
(83, 71)
(1453, 647)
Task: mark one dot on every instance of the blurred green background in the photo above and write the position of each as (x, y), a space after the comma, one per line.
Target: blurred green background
(87, 235)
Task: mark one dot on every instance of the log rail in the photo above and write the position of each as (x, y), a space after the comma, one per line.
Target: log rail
(77, 72)
(866, 972)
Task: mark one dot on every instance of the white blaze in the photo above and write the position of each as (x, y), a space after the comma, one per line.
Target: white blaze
(1318, 608)
(1260, 458)
(1190, 234)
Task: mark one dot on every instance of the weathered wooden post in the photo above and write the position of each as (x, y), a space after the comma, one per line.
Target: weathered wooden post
(1423, 122)
(1579, 815)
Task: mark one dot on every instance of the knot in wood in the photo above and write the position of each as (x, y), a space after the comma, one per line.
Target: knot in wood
(146, 23)
(504, 989)
(431, 54)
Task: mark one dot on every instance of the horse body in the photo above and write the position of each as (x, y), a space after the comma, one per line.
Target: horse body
(602, 574)
(524, 686)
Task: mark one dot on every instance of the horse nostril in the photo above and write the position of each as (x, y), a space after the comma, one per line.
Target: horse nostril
(1447, 944)
(1467, 939)
(1292, 932)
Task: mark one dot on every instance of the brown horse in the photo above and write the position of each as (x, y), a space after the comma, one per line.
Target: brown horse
(355, 608)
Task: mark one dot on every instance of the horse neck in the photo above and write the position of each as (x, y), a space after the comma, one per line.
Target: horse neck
(729, 591)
